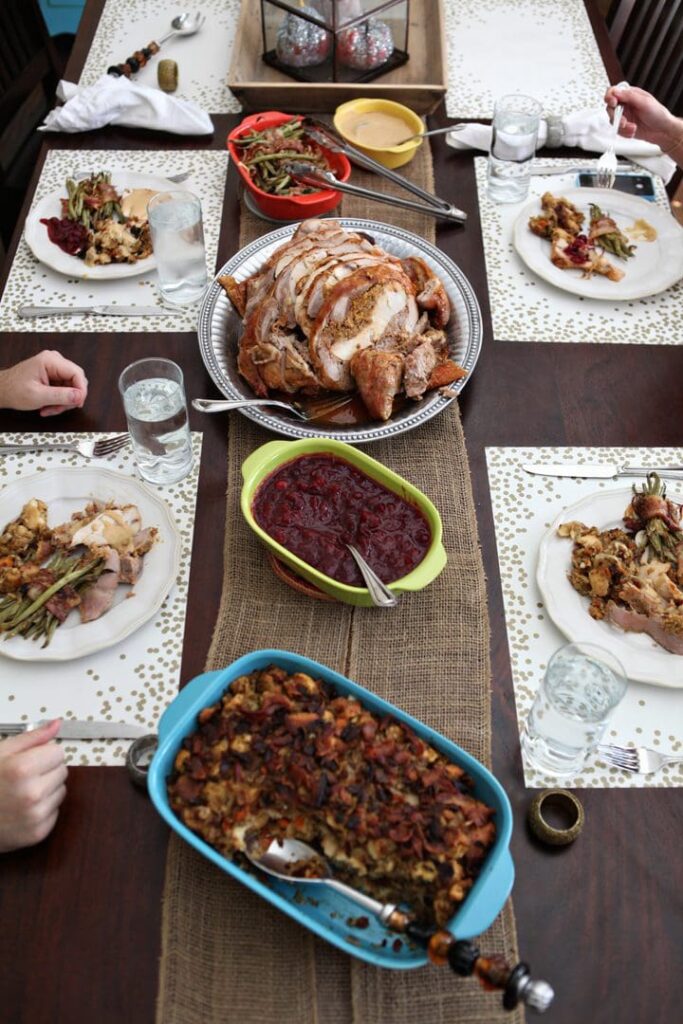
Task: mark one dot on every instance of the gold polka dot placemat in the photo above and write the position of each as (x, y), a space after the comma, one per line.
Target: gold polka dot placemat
(526, 308)
(229, 956)
(133, 680)
(524, 509)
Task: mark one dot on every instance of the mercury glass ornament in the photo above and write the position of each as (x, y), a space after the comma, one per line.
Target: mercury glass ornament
(300, 43)
(366, 46)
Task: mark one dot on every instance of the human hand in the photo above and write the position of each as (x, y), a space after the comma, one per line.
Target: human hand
(32, 786)
(48, 382)
(644, 117)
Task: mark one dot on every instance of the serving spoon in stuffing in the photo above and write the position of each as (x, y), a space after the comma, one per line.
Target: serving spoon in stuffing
(285, 857)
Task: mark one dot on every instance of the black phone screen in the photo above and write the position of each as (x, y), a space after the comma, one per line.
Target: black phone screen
(634, 184)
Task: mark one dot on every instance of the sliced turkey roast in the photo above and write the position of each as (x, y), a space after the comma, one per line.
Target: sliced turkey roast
(331, 310)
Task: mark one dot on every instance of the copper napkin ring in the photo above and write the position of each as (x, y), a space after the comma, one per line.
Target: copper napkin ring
(565, 802)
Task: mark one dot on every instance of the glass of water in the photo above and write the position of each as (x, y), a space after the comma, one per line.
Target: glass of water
(154, 401)
(513, 144)
(582, 686)
(175, 221)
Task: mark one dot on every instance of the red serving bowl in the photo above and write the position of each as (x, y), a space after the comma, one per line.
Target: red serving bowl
(287, 207)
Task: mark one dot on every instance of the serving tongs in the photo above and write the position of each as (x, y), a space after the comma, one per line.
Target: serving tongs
(287, 859)
(325, 136)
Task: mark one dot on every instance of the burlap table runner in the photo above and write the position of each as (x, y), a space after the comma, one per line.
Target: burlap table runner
(227, 956)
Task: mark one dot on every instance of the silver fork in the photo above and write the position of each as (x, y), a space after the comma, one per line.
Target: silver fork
(606, 170)
(175, 178)
(88, 449)
(640, 760)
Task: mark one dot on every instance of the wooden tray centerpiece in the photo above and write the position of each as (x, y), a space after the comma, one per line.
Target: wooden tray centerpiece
(420, 84)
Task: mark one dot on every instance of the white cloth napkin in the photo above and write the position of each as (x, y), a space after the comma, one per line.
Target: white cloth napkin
(586, 129)
(112, 100)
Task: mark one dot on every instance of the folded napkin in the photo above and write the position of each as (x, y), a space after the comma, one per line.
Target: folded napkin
(585, 129)
(112, 100)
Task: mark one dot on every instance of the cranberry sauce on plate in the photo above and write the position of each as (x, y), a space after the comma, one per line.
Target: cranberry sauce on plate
(316, 504)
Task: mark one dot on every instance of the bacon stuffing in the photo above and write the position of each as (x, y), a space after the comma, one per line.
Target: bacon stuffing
(283, 756)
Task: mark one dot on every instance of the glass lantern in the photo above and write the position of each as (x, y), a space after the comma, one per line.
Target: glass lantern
(335, 40)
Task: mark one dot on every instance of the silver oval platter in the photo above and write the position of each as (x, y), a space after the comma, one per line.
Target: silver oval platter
(220, 327)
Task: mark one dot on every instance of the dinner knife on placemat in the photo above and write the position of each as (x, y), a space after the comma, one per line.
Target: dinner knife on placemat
(597, 470)
(31, 311)
(75, 729)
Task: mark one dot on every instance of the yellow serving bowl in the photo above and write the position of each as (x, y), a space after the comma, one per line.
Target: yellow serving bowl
(389, 156)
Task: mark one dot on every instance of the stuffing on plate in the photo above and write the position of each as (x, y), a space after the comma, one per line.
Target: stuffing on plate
(47, 572)
(572, 247)
(634, 576)
(100, 226)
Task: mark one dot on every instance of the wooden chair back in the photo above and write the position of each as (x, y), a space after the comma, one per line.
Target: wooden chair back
(30, 68)
(648, 38)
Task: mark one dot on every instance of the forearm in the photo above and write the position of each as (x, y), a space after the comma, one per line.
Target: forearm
(673, 145)
(4, 390)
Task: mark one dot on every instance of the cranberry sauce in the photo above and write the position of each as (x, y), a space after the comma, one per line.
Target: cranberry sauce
(316, 504)
(69, 235)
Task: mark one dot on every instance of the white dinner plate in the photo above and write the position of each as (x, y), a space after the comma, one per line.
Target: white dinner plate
(220, 327)
(643, 659)
(69, 490)
(656, 265)
(52, 256)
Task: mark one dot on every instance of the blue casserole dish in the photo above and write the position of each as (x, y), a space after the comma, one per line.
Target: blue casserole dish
(323, 911)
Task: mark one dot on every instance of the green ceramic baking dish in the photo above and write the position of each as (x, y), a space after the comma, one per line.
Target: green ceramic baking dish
(270, 457)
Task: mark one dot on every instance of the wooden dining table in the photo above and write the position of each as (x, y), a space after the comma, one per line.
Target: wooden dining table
(602, 919)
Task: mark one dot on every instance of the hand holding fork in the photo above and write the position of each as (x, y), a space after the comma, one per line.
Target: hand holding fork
(606, 170)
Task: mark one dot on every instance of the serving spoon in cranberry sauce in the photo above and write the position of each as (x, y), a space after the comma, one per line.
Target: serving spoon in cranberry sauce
(294, 861)
(381, 596)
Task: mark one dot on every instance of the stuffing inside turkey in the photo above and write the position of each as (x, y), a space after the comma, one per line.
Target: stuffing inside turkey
(332, 311)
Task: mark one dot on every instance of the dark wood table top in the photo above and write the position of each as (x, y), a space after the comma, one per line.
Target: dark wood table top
(601, 919)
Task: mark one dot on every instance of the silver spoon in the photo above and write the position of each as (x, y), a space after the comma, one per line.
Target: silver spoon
(434, 131)
(225, 405)
(381, 596)
(184, 25)
(283, 854)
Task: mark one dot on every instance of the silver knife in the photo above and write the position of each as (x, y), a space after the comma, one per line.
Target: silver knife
(541, 170)
(74, 729)
(597, 470)
(31, 311)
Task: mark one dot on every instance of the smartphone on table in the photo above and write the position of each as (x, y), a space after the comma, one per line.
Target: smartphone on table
(634, 184)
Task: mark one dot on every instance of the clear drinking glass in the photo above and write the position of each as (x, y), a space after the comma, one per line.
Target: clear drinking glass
(582, 686)
(154, 401)
(175, 221)
(513, 144)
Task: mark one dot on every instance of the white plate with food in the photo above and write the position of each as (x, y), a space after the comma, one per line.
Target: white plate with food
(127, 240)
(644, 659)
(385, 252)
(133, 546)
(587, 268)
